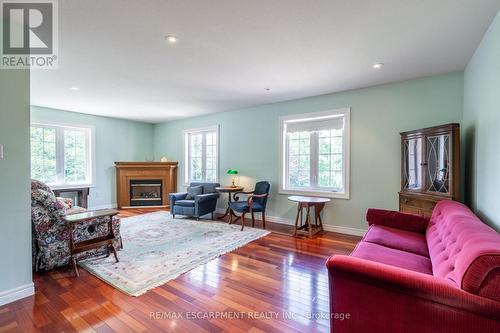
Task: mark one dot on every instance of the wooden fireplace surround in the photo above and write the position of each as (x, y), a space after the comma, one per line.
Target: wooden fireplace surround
(126, 171)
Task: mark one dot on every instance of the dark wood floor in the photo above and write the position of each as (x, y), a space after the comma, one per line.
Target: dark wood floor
(278, 276)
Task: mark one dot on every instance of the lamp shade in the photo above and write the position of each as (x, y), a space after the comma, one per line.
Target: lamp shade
(232, 172)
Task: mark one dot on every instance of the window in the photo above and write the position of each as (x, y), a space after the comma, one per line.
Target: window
(315, 153)
(61, 156)
(201, 154)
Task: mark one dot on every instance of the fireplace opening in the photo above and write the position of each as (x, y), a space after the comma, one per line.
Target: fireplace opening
(146, 192)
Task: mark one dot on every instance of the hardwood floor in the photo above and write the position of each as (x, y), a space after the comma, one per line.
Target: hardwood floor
(278, 279)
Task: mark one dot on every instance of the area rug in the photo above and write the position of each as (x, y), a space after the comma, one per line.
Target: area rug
(159, 248)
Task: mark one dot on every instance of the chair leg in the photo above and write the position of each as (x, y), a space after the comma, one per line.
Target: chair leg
(264, 219)
(242, 221)
(75, 266)
(253, 220)
(212, 216)
(173, 216)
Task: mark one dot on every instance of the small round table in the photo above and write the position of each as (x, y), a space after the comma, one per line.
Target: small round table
(229, 190)
(306, 203)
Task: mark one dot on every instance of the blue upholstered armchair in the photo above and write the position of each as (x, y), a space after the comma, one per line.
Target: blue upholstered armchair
(255, 203)
(197, 206)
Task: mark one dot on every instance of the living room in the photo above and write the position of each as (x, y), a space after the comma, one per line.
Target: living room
(195, 166)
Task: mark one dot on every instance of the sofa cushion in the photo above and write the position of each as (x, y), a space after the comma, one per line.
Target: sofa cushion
(193, 191)
(397, 239)
(74, 210)
(185, 203)
(464, 250)
(393, 257)
(242, 206)
(207, 187)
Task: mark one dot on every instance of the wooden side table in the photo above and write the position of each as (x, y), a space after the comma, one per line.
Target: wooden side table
(229, 190)
(306, 227)
(94, 243)
(81, 194)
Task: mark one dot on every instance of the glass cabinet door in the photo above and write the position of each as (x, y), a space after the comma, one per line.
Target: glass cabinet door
(438, 163)
(412, 160)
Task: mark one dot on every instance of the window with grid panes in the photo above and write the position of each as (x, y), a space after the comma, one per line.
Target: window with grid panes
(315, 153)
(201, 155)
(61, 156)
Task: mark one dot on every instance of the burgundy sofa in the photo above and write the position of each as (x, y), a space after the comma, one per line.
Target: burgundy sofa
(415, 274)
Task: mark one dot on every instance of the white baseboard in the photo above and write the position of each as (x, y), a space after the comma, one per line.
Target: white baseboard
(344, 230)
(327, 227)
(107, 206)
(14, 294)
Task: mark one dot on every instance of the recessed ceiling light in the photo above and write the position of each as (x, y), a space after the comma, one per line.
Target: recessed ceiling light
(75, 88)
(267, 89)
(378, 65)
(171, 39)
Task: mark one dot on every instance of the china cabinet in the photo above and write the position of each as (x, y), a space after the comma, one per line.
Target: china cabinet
(430, 168)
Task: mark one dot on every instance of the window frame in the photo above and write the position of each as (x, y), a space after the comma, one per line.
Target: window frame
(283, 155)
(59, 142)
(187, 152)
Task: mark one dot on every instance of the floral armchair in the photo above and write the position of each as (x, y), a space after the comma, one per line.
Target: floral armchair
(51, 233)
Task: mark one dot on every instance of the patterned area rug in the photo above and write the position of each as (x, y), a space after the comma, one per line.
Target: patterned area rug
(158, 248)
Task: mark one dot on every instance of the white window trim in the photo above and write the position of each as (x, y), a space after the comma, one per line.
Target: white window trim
(346, 155)
(186, 157)
(91, 154)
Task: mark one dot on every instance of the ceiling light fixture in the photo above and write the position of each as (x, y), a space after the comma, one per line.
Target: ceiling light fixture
(171, 39)
(75, 88)
(267, 89)
(378, 65)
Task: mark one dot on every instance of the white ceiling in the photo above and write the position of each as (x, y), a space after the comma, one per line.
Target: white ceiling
(229, 51)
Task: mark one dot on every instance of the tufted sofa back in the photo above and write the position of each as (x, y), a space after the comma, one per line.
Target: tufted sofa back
(464, 250)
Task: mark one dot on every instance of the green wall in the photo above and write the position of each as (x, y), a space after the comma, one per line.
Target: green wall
(249, 140)
(482, 130)
(15, 217)
(116, 140)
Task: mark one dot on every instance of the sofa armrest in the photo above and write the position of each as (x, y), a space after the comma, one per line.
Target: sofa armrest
(393, 219)
(379, 295)
(206, 197)
(176, 196)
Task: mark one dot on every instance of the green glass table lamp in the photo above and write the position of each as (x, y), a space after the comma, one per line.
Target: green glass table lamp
(232, 172)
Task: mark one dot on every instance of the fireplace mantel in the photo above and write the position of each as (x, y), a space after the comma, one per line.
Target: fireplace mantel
(128, 171)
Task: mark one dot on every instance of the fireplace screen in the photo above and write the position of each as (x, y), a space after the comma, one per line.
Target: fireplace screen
(146, 192)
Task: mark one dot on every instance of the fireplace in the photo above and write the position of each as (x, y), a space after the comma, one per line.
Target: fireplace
(147, 192)
(163, 175)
